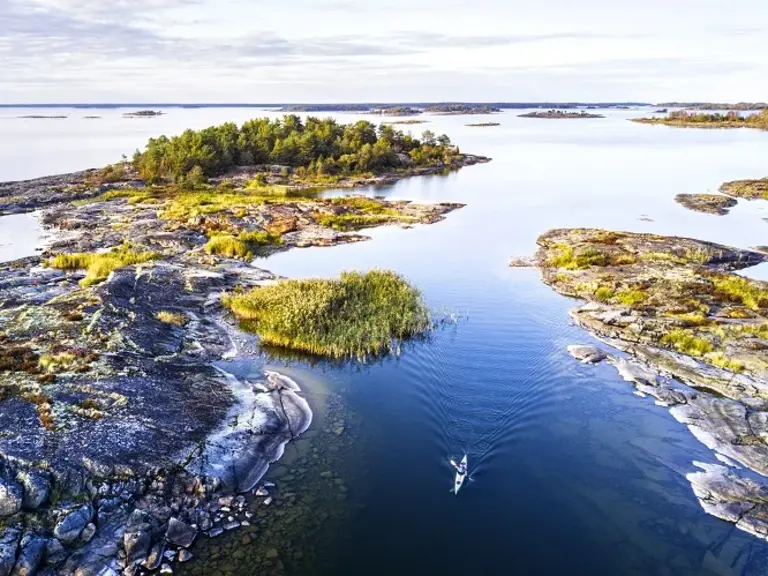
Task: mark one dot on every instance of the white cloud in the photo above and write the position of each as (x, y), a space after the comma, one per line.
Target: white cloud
(391, 50)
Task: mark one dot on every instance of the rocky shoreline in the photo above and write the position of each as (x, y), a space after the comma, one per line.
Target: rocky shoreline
(123, 438)
(690, 333)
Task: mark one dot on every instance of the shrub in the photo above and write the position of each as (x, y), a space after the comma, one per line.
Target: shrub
(603, 294)
(358, 315)
(631, 296)
(687, 342)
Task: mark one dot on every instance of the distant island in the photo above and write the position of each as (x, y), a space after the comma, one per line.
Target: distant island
(743, 106)
(483, 124)
(406, 122)
(397, 111)
(41, 117)
(732, 119)
(560, 115)
(460, 109)
(143, 114)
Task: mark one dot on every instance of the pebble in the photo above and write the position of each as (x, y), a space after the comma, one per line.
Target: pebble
(231, 525)
(215, 532)
(185, 556)
(166, 569)
(268, 501)
(245, 523)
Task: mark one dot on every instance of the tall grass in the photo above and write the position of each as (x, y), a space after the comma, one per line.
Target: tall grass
(358, 315)
(241, 246)
(687, 342)
(99, 266)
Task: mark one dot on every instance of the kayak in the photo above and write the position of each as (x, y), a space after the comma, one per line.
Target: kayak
(459, 477)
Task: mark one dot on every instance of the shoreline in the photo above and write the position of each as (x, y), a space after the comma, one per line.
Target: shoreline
(154, 398)
(705, 366)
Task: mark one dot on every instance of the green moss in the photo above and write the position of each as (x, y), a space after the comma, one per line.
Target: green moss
(99, 266)
(356, 316)
(687, 342)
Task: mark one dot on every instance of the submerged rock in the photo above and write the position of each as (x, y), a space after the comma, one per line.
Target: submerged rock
(180, 534)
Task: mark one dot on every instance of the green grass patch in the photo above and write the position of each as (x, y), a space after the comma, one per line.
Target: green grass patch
(241, 246)
(99, 266)
(172, 318)
(721, 361)
(631, 296)
(358, 315)
(741, 290)
(603, 294)
(687, 342)
(345, 222)
(569, 259)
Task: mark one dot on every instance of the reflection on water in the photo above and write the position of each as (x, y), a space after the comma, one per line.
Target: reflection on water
(573, 474)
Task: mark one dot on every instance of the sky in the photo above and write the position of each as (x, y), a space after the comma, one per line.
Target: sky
(60, 51)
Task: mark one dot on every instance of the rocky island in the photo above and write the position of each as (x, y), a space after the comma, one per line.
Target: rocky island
(747, 189)
(560, 115)
(698, 333)
(461, 109)
(484, 124)
(124, 434)
(143, 114)
(732, 119)
(707, 203)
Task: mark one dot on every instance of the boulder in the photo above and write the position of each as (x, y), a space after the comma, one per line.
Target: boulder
(72, 525)
(55, 553)
(36, 488)
(587, 354)
(9, 544)
(137, 540)
(30, 555)
(180, 534)
(11, 495)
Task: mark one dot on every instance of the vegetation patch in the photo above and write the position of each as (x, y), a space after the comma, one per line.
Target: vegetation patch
(241, 246)
(749, 293)
(359, 315)
(172, 318)
(748, 189)
(677, 293)
(731, 119)
(319, 147)
(99, 266)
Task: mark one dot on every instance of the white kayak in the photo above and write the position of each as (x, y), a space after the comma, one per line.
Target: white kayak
(458, 483)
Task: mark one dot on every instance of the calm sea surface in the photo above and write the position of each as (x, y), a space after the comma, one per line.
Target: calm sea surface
(572, 473)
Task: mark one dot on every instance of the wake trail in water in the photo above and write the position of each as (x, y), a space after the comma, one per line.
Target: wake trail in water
(472, 412)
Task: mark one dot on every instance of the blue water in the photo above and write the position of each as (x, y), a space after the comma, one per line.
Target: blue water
(572, 473)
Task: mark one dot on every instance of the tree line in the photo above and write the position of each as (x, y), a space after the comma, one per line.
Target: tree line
(320, 147)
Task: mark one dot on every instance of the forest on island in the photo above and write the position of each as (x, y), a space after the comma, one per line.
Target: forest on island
(313, 147)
